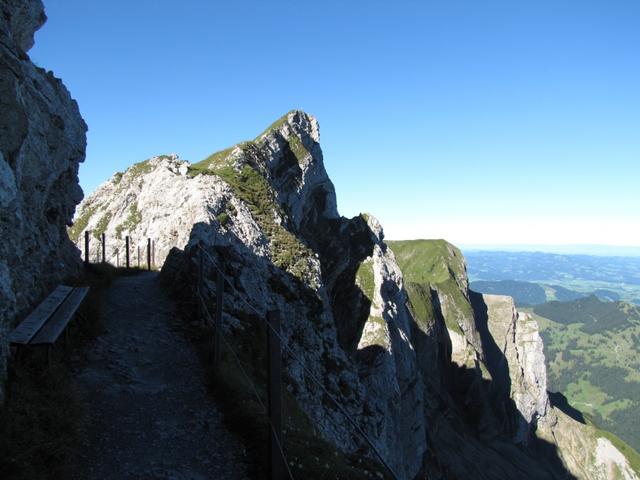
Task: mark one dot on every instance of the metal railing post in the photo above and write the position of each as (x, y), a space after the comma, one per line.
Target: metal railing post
(217, 326)
(148, 254)
(126, 241)
(104, 251)
(274, 353)
(201, 316)
(86, 247)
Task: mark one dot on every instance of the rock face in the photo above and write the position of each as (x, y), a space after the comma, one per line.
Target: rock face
(520, 345)
(489, 413)
(42, 142)
(141, 203)
(445, 383)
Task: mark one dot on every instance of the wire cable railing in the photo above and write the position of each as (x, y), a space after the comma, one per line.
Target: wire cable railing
(360, 432)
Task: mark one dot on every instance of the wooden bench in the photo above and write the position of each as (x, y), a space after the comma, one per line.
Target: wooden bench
(47, 322)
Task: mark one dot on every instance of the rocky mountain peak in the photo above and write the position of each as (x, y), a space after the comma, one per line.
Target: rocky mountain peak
(288, 156)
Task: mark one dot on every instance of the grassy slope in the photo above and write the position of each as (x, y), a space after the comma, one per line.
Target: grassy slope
(427, 261)
(434, 264)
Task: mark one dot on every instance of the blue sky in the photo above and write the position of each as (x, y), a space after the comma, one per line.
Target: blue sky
(479, 122)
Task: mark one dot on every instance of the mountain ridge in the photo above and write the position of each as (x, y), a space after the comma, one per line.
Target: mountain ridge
(405, 356)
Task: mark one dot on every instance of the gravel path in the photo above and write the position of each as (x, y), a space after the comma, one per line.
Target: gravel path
(142, 385)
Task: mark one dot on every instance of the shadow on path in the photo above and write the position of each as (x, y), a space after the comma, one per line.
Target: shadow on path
(143, 391)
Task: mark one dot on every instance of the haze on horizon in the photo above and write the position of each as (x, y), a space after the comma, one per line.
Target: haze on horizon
(493, 123)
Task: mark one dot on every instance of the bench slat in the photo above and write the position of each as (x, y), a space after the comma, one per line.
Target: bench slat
(33, 323)
(54, 327)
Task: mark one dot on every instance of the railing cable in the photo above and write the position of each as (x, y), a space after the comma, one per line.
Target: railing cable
(262, 405)
(310, 374)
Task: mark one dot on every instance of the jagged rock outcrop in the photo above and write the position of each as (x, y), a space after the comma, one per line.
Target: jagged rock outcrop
(520, 346)
(445, 382)
(42, 142)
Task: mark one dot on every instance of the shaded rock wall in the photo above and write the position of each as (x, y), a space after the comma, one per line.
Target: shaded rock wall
(42, 142)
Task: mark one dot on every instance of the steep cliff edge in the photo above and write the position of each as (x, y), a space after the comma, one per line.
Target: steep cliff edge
(444, 382)
(496, 420)
(42, 142)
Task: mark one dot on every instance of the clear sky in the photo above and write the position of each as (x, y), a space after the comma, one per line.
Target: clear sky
(479, 122)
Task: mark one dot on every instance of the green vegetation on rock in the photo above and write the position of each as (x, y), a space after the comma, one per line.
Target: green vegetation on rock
(81, 223)
(223, 218)
(297, 148)
(139, 168)
(428, 261)
(364, 278)
(439, 265)
(102, 225)
(275, 125)
(132, 221)
(420, 304)
(378, 334)
(210, 163)
(287, 252)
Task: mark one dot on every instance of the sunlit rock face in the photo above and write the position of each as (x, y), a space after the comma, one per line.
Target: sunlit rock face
(517, 338)
(42, 142)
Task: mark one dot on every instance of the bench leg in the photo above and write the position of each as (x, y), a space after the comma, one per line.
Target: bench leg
(15, 351)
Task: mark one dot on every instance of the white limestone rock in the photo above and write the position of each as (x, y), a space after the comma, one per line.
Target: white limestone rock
(516, 335)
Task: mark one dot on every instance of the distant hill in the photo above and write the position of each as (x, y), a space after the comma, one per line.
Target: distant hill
(591, 350)
(593, 314)
(607, 295)
(524, 293)
(564, 294)
(564, 277)
(529, 293)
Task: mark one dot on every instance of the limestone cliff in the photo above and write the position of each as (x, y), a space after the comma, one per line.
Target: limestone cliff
(489, 412)
(42, 142)
(445, 382)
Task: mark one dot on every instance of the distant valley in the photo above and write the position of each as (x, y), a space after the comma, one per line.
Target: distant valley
(590, 328)
(561, 277)
(591, 351)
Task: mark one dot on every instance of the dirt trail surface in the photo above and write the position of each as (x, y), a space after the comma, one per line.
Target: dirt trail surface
(142, 387)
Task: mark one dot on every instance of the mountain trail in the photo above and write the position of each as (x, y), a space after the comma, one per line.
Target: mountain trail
(142, 388)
